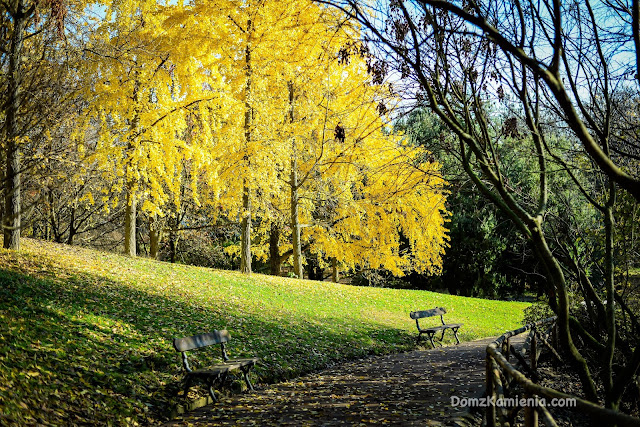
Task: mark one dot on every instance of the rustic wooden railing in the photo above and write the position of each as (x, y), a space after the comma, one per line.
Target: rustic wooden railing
(502, 378)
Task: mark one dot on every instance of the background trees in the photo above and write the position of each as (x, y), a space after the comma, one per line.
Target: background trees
(37, 85)
(486, 255)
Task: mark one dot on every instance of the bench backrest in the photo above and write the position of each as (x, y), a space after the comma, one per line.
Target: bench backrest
(198, 341)
(438, 311)
(202, 340)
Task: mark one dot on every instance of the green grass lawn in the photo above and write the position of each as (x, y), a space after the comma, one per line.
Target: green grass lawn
(85, 336)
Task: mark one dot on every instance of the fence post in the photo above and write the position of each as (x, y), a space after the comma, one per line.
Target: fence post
(533, 357)
(506, 350)
(530, 413)
(491, 409)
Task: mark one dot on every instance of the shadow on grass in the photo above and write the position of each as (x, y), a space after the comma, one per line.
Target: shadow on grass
(82, 348)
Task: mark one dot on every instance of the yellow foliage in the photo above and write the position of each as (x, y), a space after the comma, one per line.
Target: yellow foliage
(215, 96)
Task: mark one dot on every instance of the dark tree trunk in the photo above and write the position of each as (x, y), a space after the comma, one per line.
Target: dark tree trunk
(139, 242)
(154, 238)
(295, 223)
(245, 256)
(294, 185)
(172, 246)
(72, 227)
(173, 239)
(12, 184)
(131, 208)
(275, 261)
(335, 274)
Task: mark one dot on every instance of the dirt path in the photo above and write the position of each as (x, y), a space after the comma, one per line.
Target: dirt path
(408, 389)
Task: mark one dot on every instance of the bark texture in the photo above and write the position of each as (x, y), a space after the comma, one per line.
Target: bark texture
(12, 185)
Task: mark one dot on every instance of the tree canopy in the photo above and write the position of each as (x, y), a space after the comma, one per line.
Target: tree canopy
(250, 117)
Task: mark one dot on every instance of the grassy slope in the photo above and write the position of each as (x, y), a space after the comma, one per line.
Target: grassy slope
(86, 335)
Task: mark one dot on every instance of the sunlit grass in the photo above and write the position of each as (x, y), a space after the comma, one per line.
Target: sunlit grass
(85, 336)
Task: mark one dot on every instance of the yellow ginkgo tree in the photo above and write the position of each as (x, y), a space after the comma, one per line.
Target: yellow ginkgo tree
(258, 47)
(148, 98)
(337, 150)
(258, 105)
(371, 201)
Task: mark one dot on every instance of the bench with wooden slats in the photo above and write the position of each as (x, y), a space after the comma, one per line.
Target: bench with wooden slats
(431, 331)
(216, 374)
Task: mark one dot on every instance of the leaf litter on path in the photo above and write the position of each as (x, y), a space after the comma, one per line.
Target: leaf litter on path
(413, 388)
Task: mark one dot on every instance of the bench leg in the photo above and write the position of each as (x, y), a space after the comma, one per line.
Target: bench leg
(418, 338)
(210, 383)
(455, 334)
(431, 339)
(442, 336)
(211, 392)
(213, 380)
(187, 386)
(245, 373)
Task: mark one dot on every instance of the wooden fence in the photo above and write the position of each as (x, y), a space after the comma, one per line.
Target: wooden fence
(502, 378)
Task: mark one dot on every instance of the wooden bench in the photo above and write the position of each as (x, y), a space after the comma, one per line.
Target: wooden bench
(438, 311)
(216, 374)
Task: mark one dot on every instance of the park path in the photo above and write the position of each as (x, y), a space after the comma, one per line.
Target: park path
(407, 389)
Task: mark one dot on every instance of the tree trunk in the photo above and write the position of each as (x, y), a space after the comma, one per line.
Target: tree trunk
(295, 223)
(295, 217)
(130, 210)
(72, 227)
(335, 275)
(245, 250)
(154, 238)
(140, 246)
(556, 279)
(275, 261)
(610, 346)
(173, 244)
(130, 223)
(309, 268)
(12, 184)
(46, 234)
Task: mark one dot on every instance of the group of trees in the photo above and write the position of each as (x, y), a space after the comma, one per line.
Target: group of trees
(261, 121)
(268, 124)
(542, 100)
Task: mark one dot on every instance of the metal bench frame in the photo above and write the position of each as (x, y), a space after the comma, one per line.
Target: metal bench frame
(438, 311)
(216, 374)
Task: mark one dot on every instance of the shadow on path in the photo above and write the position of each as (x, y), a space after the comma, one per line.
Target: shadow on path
(407, 389)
